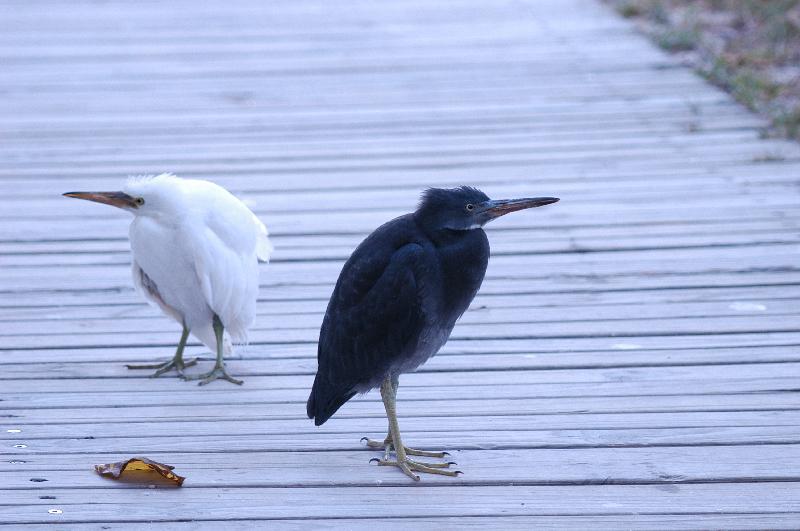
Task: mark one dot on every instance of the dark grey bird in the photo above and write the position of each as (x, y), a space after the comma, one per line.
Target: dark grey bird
(396, 301)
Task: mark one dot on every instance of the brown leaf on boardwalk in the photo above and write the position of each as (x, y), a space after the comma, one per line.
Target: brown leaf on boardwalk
(138, 470)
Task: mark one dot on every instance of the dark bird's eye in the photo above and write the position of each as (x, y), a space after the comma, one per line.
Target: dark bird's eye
(139, 201)
(470, 207)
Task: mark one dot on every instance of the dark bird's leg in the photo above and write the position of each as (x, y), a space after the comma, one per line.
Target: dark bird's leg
(176, 362)
(218, 372)
(388, 444)
(408, 466)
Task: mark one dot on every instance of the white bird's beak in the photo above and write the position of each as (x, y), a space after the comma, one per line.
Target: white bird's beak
(117, 199)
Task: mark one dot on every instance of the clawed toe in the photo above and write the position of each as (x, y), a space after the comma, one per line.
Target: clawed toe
(217, 373)
(389, 446)
(408, 467)
(372, 443)
(394, 443)
(445, 464)
(387, 461)
(178, 368)
(424, 453)
(163, 368)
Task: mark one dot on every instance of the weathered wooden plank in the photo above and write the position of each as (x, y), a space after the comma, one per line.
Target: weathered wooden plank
(93, 251)
(561, 118)
(678, 522)
(642, 91)
(51, 148)
(485, 309)
(738, 297)
(577, 262)
(561, 270)
(439, 148)
(290, 247)
(742, 299)
(342, 234)
(291, 369)
(666, 344)
(350, 219)
(762, 379)
(464, 162)
(581, 193)
(553, 466)
(736, 324)
(167, 411)
(653, 344)
(97, 320)
(511, 363)
(118, 139)
(451, 442)
(448, 426)
(163, 505)
(505, 246)
(102, 225)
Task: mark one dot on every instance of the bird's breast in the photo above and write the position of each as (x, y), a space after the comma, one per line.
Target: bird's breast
(463, 267)
(165, 258)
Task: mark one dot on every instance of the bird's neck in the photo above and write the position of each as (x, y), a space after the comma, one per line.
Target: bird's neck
(463, 258)
(447, 237)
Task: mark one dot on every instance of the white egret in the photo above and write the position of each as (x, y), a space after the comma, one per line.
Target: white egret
(196, 250)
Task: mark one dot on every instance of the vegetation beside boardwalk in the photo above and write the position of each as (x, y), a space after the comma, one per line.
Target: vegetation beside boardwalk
(751, 48)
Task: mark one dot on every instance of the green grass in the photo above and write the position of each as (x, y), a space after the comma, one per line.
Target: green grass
(745, 46)
(678, 39)
(747, 86)
(789, 121)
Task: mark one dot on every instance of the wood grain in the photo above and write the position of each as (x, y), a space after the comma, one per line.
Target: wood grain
(631, 361)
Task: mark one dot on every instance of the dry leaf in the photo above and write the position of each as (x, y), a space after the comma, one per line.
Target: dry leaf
(137, 469)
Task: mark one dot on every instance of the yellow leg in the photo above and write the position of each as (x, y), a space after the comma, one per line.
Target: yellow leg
(393, 440)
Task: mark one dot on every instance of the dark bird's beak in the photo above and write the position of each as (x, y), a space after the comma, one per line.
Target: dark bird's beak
(500, 207)
(117, 199)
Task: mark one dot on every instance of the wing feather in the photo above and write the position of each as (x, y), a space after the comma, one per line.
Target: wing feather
(263, 246)
(149, 290)
(228, 280)
(226, 254)
(375, 316)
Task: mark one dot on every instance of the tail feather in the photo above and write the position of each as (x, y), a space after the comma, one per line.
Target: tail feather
(325, 400)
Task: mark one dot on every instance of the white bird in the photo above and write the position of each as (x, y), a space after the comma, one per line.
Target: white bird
(196, 250)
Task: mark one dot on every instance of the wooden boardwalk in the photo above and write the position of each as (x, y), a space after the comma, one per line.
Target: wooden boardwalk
(631, 362)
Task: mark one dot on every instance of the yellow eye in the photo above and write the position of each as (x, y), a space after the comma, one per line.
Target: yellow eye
(139, 201)
(470, 207)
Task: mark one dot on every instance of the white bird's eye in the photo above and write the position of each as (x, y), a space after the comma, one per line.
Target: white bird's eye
(470, 207)
(139, 201)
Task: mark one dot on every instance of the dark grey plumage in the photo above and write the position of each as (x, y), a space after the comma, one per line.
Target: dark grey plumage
(401, 292)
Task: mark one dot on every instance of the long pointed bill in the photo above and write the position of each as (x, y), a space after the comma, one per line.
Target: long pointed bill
(117, 199)
(500, 207)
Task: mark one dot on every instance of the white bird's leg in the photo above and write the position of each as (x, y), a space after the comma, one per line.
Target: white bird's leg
(387, 444)
(408, 466)
(218, 372)
(176, 362)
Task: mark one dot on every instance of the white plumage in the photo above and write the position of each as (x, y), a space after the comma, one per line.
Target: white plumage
(196, 250)
(200, 246)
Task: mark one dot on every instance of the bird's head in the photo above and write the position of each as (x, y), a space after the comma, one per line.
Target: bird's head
(467, 208)
(160, 194)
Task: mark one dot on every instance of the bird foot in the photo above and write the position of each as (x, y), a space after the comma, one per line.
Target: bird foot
(388, 445)
(162, 368)
(217, 373)
(409, 466)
